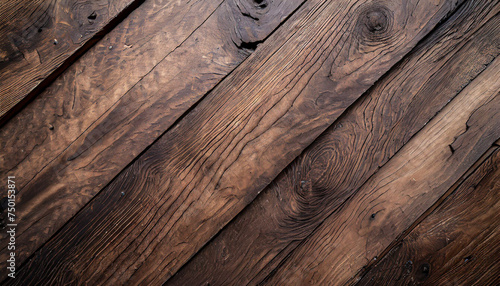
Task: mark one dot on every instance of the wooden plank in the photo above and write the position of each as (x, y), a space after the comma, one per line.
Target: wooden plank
(387, 204)
(74, 144)
(456, 244)
(350, 151)
(201, 173)
(42, 38)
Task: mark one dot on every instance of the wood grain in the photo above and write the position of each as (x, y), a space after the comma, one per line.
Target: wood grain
(350, 151)
(41, 38)
(200, 174)
(457, 244)
(388, 203)
(97, 136)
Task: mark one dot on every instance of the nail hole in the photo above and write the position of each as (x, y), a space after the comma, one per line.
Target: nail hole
(467, 259)
(55, 42)
(373, 215)
(39, 30)
(261, 4)
(425, 269)
(303, 184)
(92, 16)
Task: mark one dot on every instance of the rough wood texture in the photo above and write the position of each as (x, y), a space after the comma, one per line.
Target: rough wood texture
(181, 191)
(387, 204)
(40, 38)
(350, 151)
(457, 244)
(96, 136)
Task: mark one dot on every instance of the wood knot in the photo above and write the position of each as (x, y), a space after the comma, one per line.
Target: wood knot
(375, 22)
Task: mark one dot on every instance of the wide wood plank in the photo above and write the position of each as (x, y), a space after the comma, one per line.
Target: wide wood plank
(392, 199)
(81, 139)
(201, 173)
(41, 38)
(350, 151)
(456, 244)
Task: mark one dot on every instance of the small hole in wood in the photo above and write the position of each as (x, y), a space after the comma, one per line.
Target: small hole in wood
(92, 16)
(261, 3)
(55, 42)
(425, 269)
(39, 30)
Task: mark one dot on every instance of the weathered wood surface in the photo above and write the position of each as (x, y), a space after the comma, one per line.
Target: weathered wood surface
(457, 244)
(393, 198)
(160, 210)
(350, 151)
(81, 139)
(40, 38)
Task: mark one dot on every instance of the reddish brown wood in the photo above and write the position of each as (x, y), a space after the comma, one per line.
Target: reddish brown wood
(391, 200)
(42, 38)
(86, 131)
(349, 152)
(195, 178)
(457, 244)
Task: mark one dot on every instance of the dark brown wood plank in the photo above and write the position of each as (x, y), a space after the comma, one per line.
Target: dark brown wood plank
(350, 151)
(401, 191)
(41, 38)
(85, 133)
(457, 244)
(201, 173)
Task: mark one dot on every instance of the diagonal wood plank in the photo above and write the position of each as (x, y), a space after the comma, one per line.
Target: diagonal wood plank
(41, 38)
(200, 174)
(74, 155)
(402, 190)
(456, 243)
(350, 151)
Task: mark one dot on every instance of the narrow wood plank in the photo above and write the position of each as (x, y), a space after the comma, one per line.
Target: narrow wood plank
(41, 38)
(457, 244)
(387, 204)
(71, 157)
(199, 175)
(350, 151)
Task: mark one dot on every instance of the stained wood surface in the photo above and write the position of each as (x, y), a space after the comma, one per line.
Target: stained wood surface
(457, 244)
(41, 38)
(195, 178)
(69, 158)
(392, 199)
(332, 169)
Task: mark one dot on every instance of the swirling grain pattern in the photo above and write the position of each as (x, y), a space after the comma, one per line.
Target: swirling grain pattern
(160, 210)
(337, 164)
(394, 197)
